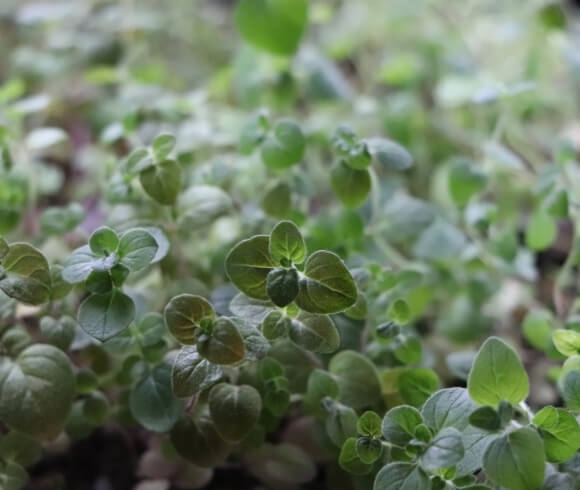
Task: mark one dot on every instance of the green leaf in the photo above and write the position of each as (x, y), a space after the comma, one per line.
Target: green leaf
(275, 26)
(439, 242)
(282, 286)
(192, 374)
(137, 249)
(59, 333)
(320, 385)
(327, 285)
(252, 310)
(571, 390)
(541, 231)
(224, 345)
(253, 133)
(162, 182)
(137, 161)
(443, 451)
(287, 244)
(341, 423)
(12, 476)
(184, 314)
(399, 424)
(465, 180)
(196, 440)
(152, 402)
(79, 265)
(352, 186)
(19, 448)
(99, 282)
(537, 329)
(417, 385)
(316, 333)
(96, 408)
(485, 418)
(235, 410)
(256, 346)
(516, 460)
(349, 459)
(475, 442)
(248, 265)
(24, 274)
(407, 350)
(369, 424)
(103, 316)
(284, 146)
(103, 241)
(497, 374)
(560, 432)
(277, 201)
(275, 325)
(449, 407)
(369, 449)
(36, 391)
(201, 205)
(162, 146)
(401, 476)
(61, 220)
(390, 153)
(357, 378)
(567, 341)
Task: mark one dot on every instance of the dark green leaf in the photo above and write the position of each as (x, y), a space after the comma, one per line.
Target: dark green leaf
(183, 316)
(137, 249)
(401, 476)
(516, 460)
(282, 286)
(357, 378)
(36, 391)
(152, 402)
(350, 460)
(24, 274)
(328, 286)
(234, 410)
(103, 316)
(162, 182)
(192, 374)
(224, 345)
(314, 332)
(485, 418)
(443, 451)
(248, 265)
(196, 440)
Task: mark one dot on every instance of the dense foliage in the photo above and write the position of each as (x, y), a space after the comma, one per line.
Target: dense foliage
(311, 244)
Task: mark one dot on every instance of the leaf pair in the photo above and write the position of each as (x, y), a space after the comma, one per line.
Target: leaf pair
(103, 265)
(325, 286)
(192, 320)
(159, 175)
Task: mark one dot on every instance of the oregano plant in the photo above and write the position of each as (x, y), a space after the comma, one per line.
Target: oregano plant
(289, 244)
